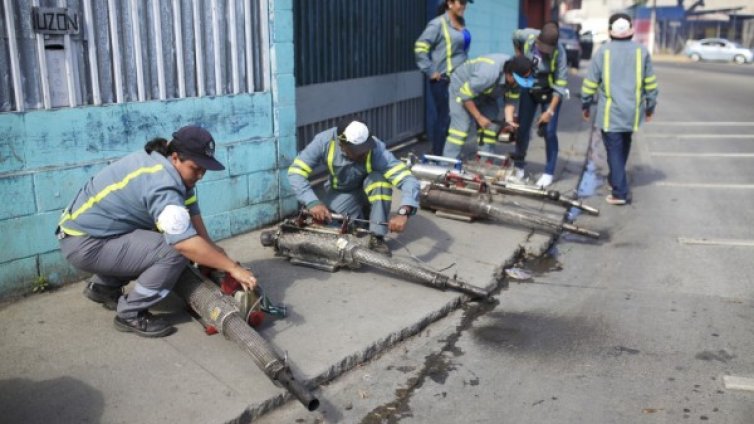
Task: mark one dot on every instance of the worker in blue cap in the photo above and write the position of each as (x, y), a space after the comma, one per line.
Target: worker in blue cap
(475, 88)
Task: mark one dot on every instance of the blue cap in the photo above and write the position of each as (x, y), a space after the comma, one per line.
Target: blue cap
(523, 82)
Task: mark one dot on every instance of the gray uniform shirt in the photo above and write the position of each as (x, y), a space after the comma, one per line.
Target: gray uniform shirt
(552, 71)
(482, 76)
(440, 47)
(127, 195)
(345, 174)
(621, 75)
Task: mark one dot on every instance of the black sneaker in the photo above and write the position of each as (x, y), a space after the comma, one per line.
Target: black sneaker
(106, 295)
(378, 244)
(144, 324)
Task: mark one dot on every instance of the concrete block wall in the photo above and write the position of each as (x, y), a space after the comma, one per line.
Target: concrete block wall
(46, 156)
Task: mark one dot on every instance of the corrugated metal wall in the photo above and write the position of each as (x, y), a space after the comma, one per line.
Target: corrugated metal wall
(356, 56)
(132, 50)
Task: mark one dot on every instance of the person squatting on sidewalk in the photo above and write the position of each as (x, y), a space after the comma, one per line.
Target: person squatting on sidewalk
(441, 48)
(362, 176)
(621, 75)
(475, 91)
(549, 90)
(138, 218)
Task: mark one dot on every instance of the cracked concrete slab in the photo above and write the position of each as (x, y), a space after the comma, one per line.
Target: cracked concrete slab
(62, 352)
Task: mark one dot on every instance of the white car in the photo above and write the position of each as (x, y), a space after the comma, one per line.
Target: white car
(718, 49)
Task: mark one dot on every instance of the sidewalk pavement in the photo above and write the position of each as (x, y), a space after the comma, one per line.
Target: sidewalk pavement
(64, 362)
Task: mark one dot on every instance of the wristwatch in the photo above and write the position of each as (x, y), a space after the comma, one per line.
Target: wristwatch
(404, 211)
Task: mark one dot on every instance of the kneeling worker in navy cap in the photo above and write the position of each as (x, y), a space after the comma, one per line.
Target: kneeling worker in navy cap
(138, 219)
(362, 174)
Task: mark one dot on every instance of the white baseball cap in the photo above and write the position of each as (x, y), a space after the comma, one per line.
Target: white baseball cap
(356, 134)
(620, 26)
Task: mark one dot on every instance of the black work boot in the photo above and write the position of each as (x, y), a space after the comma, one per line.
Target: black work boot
(144, 324)
(378, 244)
(106, 295)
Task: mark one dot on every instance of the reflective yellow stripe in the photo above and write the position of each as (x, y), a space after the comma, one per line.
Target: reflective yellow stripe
(587, 90)
(422, 44)
(454, 141)
(490, 132)
(301, 164)
(107, 190)
(489, 90)
(512, 95)
(330, 158)
(638, 88)
(448, 51)
(561, 83)
(394, 170)
(488, 140)
(70, 232)
(553, 63)
(293, 170)
(650, 87)
(466, 90)
(398, 178)
(190, 201)
(653, 78)
(378, 184)
(482, 59)
(527, 45)
(379, 197)
(421, 50)
(590, 83)
(456, 132)
(606, 65)
(369, 162)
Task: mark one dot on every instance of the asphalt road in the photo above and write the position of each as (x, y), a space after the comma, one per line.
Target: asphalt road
(641, 327)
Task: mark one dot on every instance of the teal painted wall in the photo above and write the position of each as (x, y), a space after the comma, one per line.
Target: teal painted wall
(46, 156)
(491, 23)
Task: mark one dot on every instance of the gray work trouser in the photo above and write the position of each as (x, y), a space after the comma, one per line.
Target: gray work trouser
(142, 255)
(375, 196)
(462, 124)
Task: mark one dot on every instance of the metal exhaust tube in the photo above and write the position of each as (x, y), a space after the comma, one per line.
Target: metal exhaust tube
(217, 310)
(345, 251)
(552, 195)
(416, 273)
(474, 205)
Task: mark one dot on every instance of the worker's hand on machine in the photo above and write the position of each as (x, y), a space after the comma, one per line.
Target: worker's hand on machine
(397, 223)
(244, 277)
(320, 213)
(585, 113)
(483, 122)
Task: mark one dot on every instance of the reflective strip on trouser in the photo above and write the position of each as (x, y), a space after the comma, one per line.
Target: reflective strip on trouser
(461, 124)
(356, 203)
(142, 255)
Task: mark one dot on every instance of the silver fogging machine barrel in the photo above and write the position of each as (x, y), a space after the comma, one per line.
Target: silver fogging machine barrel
(205, 299)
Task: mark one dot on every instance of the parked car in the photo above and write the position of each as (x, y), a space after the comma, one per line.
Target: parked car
(570, 39)
(718, 49)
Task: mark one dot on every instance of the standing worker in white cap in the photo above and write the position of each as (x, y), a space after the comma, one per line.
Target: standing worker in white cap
(547, 94)
(138, 219)
(362, 174)
(621, 75)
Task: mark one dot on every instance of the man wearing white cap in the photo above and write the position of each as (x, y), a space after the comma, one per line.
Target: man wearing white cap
(621, 75)
(362, 174)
